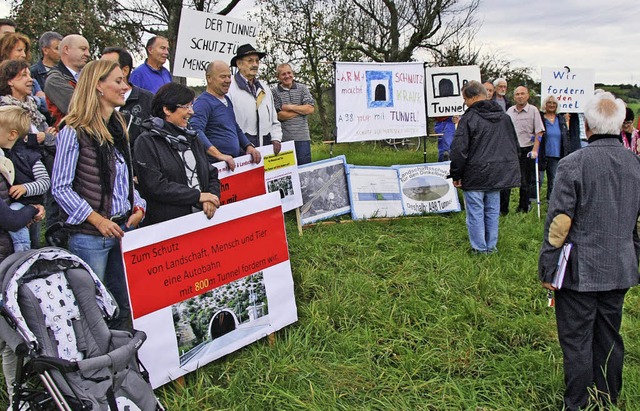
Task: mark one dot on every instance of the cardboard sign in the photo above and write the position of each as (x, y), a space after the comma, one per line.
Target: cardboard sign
(426, 188)
(377, 101)
(573, 88)
(203, 288)
(281, 174)
(246, 181)
(374, 192)
(204, 37)
(444, 89)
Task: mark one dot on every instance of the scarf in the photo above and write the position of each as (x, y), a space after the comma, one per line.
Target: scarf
(29, 104)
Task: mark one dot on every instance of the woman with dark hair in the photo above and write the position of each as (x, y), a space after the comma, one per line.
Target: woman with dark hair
(93, 179)
(629, 134)
(17, 46)
(32, 156)
(171, 165)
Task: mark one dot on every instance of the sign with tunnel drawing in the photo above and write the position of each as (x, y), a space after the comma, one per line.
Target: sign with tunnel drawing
(444, 89)
(202, 289)
(377, 101)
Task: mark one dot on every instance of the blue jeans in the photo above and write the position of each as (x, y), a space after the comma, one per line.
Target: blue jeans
(303, 152)
(104, 256)
(21, 238)
(552, 167)
(483, 210)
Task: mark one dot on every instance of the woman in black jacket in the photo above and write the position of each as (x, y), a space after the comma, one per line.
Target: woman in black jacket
(173, 173)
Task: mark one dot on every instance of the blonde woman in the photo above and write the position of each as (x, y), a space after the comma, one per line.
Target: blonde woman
(555, 141)
(92, 177)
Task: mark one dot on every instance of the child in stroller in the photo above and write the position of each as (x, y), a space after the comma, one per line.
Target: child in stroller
(54, 316)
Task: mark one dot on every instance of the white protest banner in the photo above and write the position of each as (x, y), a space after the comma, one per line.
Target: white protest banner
(204, 37)
(426, 188)
(325, 193)
(202, 289)
(374, 192)
(246, 181)
(444, 89)
(573, 88)
(281, 174)
(377, 101)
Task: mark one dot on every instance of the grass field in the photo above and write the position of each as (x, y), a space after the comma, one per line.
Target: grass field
(398, 315)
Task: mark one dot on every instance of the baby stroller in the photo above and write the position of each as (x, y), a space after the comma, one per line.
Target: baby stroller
(54, 311)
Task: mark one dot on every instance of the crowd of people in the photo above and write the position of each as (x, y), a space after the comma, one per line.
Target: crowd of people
(98, 148)
(593, 211)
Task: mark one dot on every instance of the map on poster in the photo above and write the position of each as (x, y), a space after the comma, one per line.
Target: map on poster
(324, 189)
(572, 87)
(374, 192)
(201, 289)
(377, 101)
(281, 174)
(444, 89)
(426, 188)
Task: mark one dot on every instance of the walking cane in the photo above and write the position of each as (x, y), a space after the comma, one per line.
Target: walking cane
(538, 187)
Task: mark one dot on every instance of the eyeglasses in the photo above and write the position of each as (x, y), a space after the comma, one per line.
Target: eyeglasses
(187, 106)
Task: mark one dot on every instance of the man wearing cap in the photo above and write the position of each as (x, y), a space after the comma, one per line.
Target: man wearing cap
(253, 103)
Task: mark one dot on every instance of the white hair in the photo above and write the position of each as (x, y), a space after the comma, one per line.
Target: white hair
(499, 80)
(605, 113)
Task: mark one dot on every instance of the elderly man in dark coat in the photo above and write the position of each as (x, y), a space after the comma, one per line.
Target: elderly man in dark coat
(484, 160)
(594, 206)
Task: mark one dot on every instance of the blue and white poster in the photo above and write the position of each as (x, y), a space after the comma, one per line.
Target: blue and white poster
(374, 192)
(377, 101)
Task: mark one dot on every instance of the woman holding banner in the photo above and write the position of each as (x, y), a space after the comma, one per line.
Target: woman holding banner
(171, 165)
(92, 177)
(555, 142)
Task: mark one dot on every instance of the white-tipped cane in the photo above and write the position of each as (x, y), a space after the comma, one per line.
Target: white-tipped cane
(538, 187)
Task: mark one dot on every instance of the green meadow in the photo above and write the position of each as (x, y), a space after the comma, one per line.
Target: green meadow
(396, 314)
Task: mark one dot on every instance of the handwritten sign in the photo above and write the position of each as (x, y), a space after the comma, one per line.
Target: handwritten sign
(204, 37)
(572, 87)
(377, 101)
(444, 89)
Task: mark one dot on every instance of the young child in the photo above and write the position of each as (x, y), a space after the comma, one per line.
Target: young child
(14, 122)
(30, 184)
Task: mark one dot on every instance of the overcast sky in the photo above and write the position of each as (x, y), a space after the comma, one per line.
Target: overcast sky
(551, 33)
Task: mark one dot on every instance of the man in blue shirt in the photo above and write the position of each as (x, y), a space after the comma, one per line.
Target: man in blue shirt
(215, 121)
(151, 75)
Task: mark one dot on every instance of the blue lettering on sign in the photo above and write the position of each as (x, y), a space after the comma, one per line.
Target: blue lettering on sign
(379, 89)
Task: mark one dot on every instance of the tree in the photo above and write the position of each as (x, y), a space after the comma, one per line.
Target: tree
(101, 22)
(162, 17)
(308, 35)
(389, 30)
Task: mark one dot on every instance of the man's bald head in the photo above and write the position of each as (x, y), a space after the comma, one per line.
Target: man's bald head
(74, 52)
(521, 96)
(218, 78)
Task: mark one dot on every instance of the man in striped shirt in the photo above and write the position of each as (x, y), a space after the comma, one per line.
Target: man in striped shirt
(294, 103)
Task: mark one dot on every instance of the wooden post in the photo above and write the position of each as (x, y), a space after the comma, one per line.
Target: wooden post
(299, 221)
(271, 338)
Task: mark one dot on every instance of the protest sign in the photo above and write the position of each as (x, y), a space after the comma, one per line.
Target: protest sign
(246, 181)
(374, 192)
(572, 88)
(281, 174)
(426, 188)
(324, 189)
(377, 101)
(444, 89)
(203, 288)
(204, 37)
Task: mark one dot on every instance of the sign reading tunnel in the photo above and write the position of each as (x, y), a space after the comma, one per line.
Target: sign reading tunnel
(444, 89)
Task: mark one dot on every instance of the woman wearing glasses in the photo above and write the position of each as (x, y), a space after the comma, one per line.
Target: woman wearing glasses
(170, 162)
